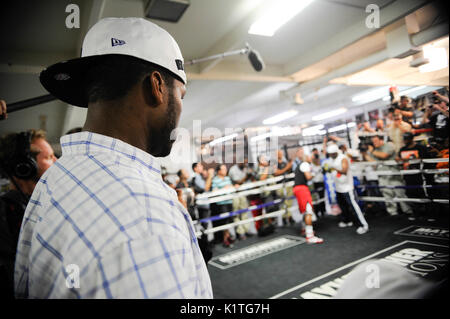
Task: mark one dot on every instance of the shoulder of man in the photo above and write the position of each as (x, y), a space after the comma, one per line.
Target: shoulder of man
(305, 167)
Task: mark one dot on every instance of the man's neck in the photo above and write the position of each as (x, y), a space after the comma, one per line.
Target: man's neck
(102, 119)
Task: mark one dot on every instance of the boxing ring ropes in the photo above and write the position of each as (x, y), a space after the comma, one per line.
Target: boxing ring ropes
(279, 182)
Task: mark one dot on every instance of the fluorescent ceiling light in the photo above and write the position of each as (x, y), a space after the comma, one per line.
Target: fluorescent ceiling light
(406, 92)
(223, 139)
(313, 130)
(438, 59)
(341, 127)
(371, 95)
(260, 137)
(277, 15)
(338, 128)
(280, 117)
(327, 115)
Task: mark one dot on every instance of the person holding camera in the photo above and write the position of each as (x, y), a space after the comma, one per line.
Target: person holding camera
(405, 109)
(436, 116)
(396, 131)
(381, 151)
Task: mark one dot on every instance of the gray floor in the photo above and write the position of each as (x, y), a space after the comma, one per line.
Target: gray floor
(269, 275)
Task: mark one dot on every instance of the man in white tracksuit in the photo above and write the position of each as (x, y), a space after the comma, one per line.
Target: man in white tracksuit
(345, 191)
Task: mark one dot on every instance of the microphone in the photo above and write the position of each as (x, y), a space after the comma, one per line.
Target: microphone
(256, 60)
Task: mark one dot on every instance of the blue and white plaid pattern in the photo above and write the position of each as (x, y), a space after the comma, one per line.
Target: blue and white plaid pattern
(104, 207)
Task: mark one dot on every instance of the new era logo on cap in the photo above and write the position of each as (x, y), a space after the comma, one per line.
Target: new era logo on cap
(179, 64)
(115, 42)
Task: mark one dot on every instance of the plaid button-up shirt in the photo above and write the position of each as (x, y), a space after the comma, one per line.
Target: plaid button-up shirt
(101, 223)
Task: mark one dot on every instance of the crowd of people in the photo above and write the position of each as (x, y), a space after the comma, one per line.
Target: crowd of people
(396, 138)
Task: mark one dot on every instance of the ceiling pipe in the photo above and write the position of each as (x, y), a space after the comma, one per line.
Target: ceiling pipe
(358, 65)
(430, 34)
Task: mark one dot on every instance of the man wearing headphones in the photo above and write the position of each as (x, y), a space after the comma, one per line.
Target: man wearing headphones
(24, 157)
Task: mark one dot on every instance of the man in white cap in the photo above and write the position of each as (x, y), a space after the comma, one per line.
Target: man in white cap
(101, 222)
(345, 191)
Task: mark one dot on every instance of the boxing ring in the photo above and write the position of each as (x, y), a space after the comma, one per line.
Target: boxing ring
(285, 181)
(281, 266)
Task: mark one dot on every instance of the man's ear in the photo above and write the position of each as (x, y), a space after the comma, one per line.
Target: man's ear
(154, 89)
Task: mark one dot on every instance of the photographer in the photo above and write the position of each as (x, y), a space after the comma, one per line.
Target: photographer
(405, 109)
(436, 116)
(381, 151)
(396, 131)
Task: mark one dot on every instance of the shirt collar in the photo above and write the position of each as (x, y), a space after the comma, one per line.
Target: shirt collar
(85, 143)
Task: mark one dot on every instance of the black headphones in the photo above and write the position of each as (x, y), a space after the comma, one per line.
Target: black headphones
(22, 164)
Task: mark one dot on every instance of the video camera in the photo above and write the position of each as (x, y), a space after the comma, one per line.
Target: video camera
(363, 146)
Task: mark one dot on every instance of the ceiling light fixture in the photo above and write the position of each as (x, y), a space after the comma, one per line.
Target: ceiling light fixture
(277, 15)
(312, 130)
(327, 115)
(406, 92)
(280, 117)
(222, 139)
(341, 127)
(371, 95)
(438, 59)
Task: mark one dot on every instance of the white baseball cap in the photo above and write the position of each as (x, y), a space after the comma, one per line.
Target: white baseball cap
(333, 148)
(134, 37)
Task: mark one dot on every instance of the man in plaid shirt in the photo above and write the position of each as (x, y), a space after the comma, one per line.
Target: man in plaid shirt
(101, 223)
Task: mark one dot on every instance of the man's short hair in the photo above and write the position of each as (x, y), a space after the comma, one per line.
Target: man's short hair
(116, 75)
(217, 169)
(194, 165)
(381, 137)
